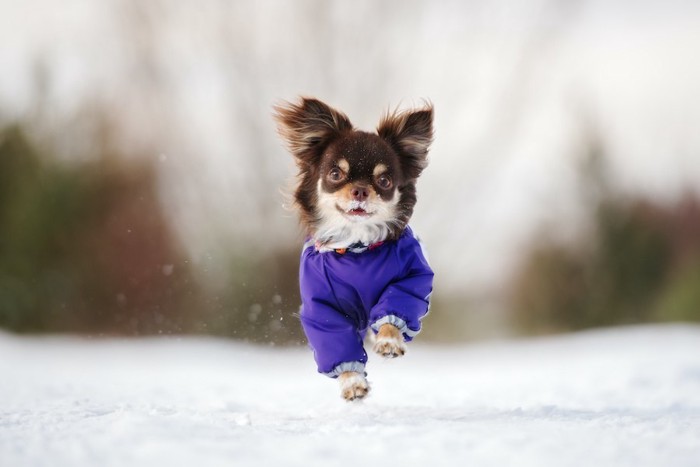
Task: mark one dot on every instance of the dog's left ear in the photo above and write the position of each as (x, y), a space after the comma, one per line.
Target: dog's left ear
(410, 133)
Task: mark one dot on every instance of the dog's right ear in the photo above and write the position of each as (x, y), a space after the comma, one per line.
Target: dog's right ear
(308, 127)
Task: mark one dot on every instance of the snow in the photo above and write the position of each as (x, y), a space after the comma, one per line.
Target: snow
(617, 397)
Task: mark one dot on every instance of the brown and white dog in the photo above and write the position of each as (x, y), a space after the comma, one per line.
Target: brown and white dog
(355, 194)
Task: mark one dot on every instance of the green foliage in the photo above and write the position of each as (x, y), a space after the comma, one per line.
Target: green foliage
(680, 299)
(83, 248)
(86, 248)
(627, 273)
(551, 292)
(261, 299)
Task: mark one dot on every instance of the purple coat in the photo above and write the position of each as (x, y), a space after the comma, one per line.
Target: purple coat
(344, 294)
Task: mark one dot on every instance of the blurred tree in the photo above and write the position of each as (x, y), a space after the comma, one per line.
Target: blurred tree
(260, 298)
(680, 297)
(641, 263)
(85, 248)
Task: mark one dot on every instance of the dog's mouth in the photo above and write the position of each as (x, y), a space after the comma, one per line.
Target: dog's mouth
(358, 212)
(355, 212)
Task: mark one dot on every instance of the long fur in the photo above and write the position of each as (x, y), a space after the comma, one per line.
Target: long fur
(410, 133)
(356, 187)
(310, 126)
(307, 128)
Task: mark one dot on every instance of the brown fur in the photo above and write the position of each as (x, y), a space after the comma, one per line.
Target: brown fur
(353, 385)
(317, 134)
(346, 192)
(389, 342)
(355, 173)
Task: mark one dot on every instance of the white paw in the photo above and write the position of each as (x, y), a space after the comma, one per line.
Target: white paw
(353, 385)
(390, 346)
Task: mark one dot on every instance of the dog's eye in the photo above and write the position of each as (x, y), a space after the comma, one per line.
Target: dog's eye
(335, 174)
(384, 181)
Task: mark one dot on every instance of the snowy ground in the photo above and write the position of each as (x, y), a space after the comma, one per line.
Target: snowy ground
(624, 397)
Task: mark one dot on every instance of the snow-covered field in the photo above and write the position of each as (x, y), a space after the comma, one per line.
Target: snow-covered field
(623, 397)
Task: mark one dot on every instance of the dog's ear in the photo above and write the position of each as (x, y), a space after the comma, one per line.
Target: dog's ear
(410, 133)
(308, 127)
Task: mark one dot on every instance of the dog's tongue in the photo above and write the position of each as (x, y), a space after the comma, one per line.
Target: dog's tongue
(358, 212)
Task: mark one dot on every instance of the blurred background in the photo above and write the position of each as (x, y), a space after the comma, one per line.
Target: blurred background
(143, 188)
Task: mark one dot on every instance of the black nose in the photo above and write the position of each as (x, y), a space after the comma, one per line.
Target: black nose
(359, 193)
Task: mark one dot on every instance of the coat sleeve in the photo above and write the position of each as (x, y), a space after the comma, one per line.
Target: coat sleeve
(336, 344)
(406, 300)
(334, 339)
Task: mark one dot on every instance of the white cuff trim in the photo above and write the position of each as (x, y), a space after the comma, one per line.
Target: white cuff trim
(357, 367)
(395, 321)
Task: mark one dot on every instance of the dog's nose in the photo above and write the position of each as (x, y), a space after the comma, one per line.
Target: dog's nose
(359, 193)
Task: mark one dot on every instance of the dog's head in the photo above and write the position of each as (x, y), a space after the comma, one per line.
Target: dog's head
(355, 186)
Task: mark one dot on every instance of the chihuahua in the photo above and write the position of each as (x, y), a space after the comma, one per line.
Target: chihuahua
(362, 267)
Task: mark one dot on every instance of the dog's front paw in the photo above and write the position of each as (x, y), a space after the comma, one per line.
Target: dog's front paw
(389, 342)
(353, 385)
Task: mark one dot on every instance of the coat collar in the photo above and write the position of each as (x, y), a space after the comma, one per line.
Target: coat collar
(357, 247)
